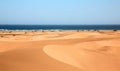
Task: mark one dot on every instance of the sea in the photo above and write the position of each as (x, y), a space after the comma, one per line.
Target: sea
(59, 27)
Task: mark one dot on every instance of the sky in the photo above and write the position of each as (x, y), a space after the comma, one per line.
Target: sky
(60, 12)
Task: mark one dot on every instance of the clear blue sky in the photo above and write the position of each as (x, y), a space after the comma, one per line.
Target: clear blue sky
(59, 11)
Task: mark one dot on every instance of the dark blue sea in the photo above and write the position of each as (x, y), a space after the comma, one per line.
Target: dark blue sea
(59, 27)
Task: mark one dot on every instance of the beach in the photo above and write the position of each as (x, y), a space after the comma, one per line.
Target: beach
(60, 50)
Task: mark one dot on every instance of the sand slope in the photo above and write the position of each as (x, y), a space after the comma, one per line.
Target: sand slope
(66, 51)
(31, 59)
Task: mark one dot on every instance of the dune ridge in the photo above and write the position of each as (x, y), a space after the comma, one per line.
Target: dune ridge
(60, 51)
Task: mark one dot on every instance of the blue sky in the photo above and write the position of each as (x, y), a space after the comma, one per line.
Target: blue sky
(60, 12)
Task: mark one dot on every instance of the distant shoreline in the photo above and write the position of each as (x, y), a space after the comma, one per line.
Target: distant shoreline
(56, 30)
(59, 27)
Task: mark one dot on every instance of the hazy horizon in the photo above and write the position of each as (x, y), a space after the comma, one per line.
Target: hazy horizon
(60, 12)
(52, 24)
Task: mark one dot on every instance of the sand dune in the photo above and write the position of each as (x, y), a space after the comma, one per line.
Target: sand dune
(60, 51)
(31, 58)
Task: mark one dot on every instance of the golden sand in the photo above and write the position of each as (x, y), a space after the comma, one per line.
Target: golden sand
(60, 50)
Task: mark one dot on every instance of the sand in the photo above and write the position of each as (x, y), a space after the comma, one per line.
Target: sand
(60, 50)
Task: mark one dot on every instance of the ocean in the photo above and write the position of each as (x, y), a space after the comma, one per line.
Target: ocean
(59, 27)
